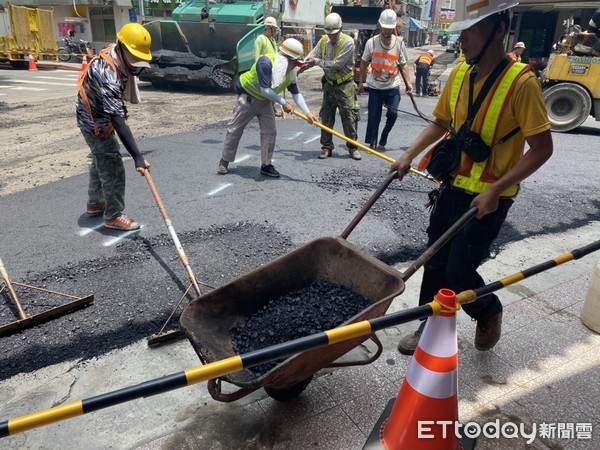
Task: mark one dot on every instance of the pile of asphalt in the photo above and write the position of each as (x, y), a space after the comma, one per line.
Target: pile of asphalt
(310, 310)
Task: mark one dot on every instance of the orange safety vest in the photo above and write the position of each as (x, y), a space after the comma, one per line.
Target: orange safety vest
(477, 177)
(514, 57)
(425, 58)
(105, 55)
(384, 62)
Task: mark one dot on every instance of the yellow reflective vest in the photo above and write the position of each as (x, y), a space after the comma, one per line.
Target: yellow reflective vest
(477, 177)
(250, 84)
(339, 78)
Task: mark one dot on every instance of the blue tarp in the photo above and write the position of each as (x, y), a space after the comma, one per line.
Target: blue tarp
(412, 23)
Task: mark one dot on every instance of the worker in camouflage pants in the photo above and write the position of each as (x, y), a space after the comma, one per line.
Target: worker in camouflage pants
(334, 53)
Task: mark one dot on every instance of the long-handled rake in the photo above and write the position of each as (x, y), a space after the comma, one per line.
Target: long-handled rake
(161, 336)
(26, 321)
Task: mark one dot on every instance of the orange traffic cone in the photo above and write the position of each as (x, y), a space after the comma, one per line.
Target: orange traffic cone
(84, 63)
(428, 396)
(32, 65)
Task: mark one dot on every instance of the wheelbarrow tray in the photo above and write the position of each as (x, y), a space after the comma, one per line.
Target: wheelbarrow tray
(211, 320)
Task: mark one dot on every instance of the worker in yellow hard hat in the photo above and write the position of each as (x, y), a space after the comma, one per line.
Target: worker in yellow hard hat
(489, 109)
(103, 88)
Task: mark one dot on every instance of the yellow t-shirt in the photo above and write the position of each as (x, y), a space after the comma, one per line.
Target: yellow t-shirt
(525, 109)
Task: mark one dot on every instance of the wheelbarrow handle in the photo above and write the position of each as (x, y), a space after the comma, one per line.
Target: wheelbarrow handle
(361, 146)
(368, 205)
(437, 245)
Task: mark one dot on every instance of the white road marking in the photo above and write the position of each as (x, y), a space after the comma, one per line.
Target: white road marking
(52, 78)
(114, 240)
(23, 88)
(46, 83)
(295, 135)
(314, 138)
(219, 189)
(86, 231)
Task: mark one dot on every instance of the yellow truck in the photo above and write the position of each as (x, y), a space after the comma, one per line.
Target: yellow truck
(26, 31)
(571, 86)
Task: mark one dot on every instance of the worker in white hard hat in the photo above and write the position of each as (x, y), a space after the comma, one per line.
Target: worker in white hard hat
(422, 66)
(518, 50)
(492, 107)
(266, 43)
(103, 88)
(334, 53)
(257, 90)
(387, 55)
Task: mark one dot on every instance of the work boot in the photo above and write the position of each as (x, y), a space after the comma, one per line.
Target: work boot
(222, 167)
(408, 343)
(269, 171)
(354, 154)
(325, 153)
(487, 333)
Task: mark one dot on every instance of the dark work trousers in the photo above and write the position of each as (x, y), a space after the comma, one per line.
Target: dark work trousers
(422, 81)
(455, 265)
(107, 174)
(377, 98)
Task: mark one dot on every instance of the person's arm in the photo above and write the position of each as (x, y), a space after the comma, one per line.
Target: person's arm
(429, 136)
(540, 150)
(299, 100)
(124, 133)
(406, 77)
(364, 65)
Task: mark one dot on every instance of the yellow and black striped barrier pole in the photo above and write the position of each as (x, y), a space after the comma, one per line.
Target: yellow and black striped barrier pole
(268, 354)
(214, 370)
(472, 295)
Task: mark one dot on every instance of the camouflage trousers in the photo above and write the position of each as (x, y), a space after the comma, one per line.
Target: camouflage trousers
(107, 175)
(342, 97)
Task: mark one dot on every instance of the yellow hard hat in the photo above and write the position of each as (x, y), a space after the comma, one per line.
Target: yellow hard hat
(137, 40)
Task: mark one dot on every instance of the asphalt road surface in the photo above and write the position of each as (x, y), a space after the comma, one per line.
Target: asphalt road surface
(231, 224)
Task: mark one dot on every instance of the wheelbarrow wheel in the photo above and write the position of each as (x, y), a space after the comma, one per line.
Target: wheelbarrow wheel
(283, 395)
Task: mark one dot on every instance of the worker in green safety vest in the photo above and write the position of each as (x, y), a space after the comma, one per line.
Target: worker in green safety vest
(334, 53)
(266, 44)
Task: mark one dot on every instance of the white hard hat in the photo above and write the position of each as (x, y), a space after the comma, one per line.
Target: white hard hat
(271, 22)
(520, 45)
(333, 23)
(388, 19)
(293, 49)
(430, 52)
(470, 12)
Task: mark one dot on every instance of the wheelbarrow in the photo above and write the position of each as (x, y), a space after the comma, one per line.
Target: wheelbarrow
(211, 320)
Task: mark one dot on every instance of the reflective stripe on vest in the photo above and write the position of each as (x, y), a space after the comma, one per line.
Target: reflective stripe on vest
(384, 65)
(339, 79)
(425, 58)
(250, 84)
(476, 177)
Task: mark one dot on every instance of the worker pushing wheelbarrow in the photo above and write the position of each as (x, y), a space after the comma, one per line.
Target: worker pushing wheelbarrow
(211, 321)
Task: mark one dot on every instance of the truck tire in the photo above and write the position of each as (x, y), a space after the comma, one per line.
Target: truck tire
(568, 106)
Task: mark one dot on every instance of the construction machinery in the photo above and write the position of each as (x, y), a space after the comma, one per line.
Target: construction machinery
(570, 81)
(26, 32)
(206, 44)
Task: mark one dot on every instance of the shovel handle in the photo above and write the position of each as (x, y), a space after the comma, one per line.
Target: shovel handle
(11, 291)
(165, 216)
(361, 146)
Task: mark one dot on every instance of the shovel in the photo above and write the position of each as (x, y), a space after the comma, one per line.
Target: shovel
(362, 146)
